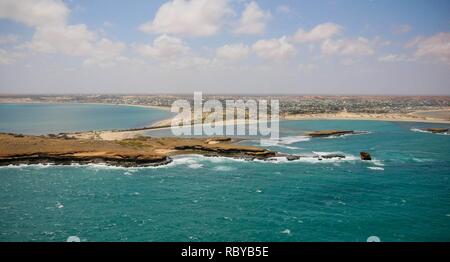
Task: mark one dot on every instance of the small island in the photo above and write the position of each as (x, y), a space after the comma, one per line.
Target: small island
(437, 130)
(327, 133)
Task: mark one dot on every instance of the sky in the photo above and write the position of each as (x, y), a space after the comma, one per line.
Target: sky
(329, 47)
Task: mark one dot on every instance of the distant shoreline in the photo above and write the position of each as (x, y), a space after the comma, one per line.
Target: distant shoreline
(411, 117)
(165, 123)
(165, 108)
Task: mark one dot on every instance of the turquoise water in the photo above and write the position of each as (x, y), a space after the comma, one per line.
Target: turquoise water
(403, 195)
(40, 119)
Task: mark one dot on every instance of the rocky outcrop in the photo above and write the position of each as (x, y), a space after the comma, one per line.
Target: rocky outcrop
(437, 130)
(143, 151)
(319, 157)
(330, 156)
(82, 160)
(327, 133)
(365, 156)
(247, 153)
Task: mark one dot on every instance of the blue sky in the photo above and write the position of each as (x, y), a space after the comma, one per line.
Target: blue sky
(225, 46)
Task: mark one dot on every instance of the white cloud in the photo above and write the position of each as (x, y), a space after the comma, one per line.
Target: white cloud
(54, 36)
(253, 20)
(436, 47)
(172, 54)
(193, 18)
(34, 12)
(75, 40)
(163, 47)
(187, 62)
(347, 47)
(8, 39)
(8, 57)
(274, 49)
(318, 33)
(392, 58)
(232, 52)
(105, 53)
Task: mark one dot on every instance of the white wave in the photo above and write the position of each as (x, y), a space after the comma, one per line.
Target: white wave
(197, 159)
(20, 166)
(419, 130)
(327, 153)
(223, 168)
(195, 166)
(127, 170)
(293, 139)
(291, 147)
(286, 232)
(276, 160)
(377, 162)
(422, 160)
(313, 159)
(324, 160)
(283, 141)
(375, 168)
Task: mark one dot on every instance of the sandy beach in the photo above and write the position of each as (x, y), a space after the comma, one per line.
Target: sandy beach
(442, 117)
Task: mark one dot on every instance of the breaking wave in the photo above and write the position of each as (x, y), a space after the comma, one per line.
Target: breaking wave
(376, 168)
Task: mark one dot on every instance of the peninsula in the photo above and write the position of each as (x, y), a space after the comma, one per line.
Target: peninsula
(142, 151)
(17, 149)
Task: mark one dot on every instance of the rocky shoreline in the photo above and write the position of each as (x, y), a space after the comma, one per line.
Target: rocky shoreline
(139, 152)
(437, 130)
(328, 133)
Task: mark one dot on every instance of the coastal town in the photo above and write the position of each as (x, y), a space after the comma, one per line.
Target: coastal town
(289, 104)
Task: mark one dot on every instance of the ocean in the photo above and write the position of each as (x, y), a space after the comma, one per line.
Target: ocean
(402, 195)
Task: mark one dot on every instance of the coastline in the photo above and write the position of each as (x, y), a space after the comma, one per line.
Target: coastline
(371, 117)
(64, 103)
(165, 123)
(144, 151)
(392, 117)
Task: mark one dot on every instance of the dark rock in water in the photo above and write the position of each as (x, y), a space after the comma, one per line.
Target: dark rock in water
(329, 156)
(437, 130)
(292, 157)
(365, 156)
(327, 133)
(288, 156)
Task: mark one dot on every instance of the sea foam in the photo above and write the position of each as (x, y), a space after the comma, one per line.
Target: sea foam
(375, 168)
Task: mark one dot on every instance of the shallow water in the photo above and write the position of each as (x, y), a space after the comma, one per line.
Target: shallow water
(403, 195)
(38, 119)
